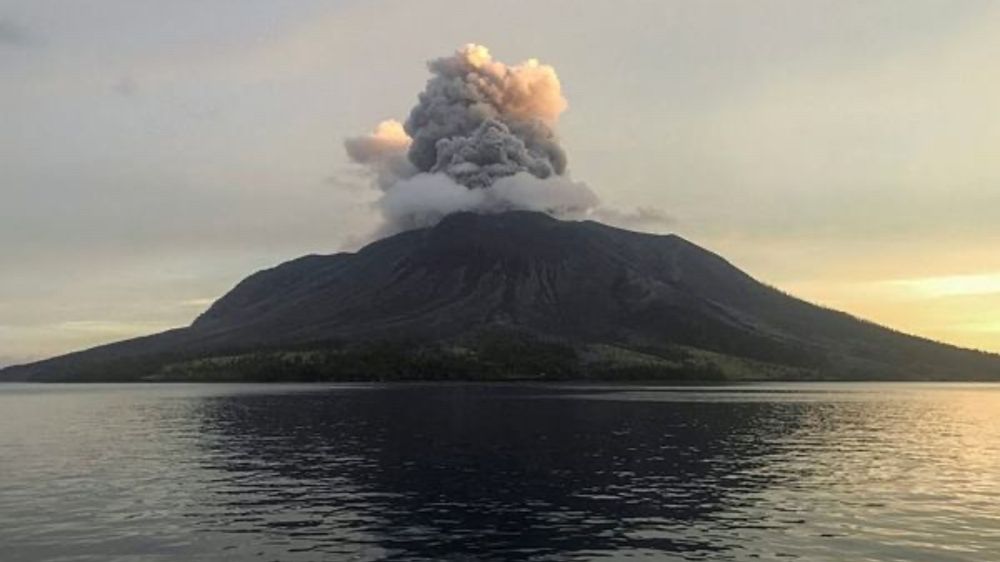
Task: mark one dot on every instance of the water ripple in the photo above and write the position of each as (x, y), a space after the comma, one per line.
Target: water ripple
(467, 472)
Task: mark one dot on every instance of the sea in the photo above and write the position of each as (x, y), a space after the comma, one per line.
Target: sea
(276, 472)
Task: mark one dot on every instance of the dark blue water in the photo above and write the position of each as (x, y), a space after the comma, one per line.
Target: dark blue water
(472, 472)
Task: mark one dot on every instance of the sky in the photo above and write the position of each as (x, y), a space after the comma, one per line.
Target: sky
(154, 153)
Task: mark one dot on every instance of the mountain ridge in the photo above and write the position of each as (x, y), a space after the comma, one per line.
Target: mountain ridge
(585, 299)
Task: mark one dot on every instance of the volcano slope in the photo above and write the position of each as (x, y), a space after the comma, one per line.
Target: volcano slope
(517, 295)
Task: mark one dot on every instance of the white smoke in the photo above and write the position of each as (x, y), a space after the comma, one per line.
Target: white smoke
(481, 138)
(424, 199)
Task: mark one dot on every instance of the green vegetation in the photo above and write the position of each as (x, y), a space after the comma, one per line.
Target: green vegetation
(494, 356)
(491, 358)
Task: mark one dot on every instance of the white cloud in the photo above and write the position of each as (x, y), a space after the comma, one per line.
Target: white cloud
(950, 285)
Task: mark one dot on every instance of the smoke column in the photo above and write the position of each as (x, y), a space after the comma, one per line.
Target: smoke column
(481, 138)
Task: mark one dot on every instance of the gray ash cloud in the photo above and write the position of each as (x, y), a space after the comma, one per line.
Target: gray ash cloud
(481, 138)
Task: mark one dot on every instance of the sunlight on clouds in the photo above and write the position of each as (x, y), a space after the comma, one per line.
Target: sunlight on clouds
(197, 303)
(961, 309)
(989, 327)
(951, 285)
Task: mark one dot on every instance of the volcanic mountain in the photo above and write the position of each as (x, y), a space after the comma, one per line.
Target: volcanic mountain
(516, 295)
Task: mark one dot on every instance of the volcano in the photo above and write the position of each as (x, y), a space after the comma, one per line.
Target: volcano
(517, 295)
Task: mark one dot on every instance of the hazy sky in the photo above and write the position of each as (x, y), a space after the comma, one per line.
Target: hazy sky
(153, 153)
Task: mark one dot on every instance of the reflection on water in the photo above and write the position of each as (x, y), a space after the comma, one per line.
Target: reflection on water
(472, 472)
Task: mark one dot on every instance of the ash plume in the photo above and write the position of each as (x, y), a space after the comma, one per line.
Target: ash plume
(478, 119)
(481, 138)
(383, 152)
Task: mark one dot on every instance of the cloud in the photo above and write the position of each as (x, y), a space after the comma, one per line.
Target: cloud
(383, 153)
(15, 34)
(8, 360)
(988, 327)
(640, 217)
(126, 86)
(110, 327)
(424, 199)
(950, 285)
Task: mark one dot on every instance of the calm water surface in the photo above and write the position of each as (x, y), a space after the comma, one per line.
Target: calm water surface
(470, 472)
